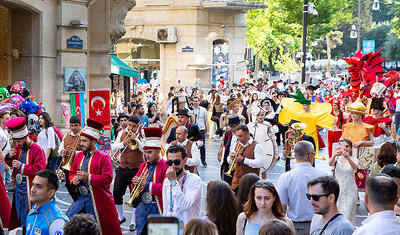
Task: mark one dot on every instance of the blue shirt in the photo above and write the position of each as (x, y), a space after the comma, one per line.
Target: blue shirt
(144, 119)
(48, 219)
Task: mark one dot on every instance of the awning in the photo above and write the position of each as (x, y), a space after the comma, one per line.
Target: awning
(119, 67)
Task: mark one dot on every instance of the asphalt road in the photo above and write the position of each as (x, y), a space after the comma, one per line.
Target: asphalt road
(211, 172)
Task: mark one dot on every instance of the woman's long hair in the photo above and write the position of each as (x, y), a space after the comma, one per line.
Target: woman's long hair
(47, 119)
(245, 184)
(222, 207)
(250, 208)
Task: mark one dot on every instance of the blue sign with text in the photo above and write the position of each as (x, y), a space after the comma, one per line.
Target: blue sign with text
(368, 46)
(75, 42)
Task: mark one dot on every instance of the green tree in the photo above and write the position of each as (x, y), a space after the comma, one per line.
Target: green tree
(396, 21)
(392, 48)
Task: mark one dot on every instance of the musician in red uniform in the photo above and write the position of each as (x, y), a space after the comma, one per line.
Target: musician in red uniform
(92, 172)
(26, 159)
(150, 176)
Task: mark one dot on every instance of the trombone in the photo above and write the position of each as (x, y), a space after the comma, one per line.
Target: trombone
(238, 150)
(133, 144)
(136, 189)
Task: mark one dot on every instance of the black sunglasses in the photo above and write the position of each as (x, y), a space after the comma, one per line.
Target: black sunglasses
(263, 183)
(177, 162)
(316, 197)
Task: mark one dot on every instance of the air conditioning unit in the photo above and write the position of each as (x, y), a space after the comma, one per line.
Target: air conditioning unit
(166, 35)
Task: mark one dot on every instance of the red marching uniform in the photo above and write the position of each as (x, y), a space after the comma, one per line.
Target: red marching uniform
(100, 177)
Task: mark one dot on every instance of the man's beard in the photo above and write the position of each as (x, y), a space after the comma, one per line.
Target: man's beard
(179, 172)
(25, 145)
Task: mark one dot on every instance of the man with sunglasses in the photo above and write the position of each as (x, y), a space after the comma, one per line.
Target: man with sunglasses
(151, 175)
(292, 187)
(181, 189)
(323, 193)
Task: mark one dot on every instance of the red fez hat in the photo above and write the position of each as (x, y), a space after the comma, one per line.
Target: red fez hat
(92, 129)
(152, 137)
(18, 128)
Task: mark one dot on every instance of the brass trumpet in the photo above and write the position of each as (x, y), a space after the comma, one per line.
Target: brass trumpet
(136, 189)
(67, 165)
(238, 150)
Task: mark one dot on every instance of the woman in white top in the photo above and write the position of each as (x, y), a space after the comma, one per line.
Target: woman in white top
(47, 140)
(254, 102)
(345, 166)
(263, 205)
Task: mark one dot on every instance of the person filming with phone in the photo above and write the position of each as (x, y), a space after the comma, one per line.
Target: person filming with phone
(181, 189)
(344, 167)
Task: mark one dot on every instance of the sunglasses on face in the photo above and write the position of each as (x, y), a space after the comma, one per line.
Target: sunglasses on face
(316, 197)
(177, 162)
(263, 183)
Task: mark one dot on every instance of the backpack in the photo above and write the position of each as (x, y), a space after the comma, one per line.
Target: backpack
(54, 152)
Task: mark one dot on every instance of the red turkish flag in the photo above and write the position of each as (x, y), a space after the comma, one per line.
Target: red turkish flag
(99, 106)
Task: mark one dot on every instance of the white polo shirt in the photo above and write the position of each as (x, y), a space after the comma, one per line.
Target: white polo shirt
(292, 190)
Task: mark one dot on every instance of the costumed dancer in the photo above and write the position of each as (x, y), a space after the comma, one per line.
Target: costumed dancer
(130, 159)
(92, 172)
(246, 157)
(360, 134)
(262, 132)
(232, 108)
(335, 132)
(229, 142)
(150, 178)
(193, 130)
(67, 150)
(27, 158)
(314, 115)
(382, 125)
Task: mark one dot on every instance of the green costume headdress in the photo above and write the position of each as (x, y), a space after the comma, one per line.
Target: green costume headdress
(300, 98)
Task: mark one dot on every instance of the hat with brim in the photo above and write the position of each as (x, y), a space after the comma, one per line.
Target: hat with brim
(234, 120)
(357, 107)
(17, 127)
(152, 138)
(183, 112)
(233, 103)
(92, 129)
(311, 87)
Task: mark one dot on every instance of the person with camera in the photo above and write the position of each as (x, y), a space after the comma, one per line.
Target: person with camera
(344, 167)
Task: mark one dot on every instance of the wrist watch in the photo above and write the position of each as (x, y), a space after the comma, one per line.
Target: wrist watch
(173, 183)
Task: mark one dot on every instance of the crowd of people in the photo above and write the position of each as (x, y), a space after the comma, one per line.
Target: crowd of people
(159, 144)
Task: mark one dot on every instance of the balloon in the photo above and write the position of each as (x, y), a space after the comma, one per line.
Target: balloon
(16, 99)
(7, 106)
(4, 93)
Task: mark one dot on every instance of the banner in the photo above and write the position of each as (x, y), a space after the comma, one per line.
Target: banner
(78, 106)
(99, 106)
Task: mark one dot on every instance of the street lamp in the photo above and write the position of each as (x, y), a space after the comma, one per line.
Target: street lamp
(308, 8)
(375, 5)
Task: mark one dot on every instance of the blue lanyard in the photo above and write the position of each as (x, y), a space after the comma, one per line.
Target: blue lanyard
(171, 205)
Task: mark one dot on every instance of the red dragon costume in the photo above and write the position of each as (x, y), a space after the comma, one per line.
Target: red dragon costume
(366, 69)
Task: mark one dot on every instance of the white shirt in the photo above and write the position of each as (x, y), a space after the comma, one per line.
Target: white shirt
(186, 202)
(4, 138)
(195, 160)
(119, 144)
(259, 156)
(46, 140)
(292, 189)
(201, 117)
(61, 147)
(397, 105)
(382, 223)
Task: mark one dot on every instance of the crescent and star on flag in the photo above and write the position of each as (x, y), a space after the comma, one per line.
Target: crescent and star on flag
(101, 99)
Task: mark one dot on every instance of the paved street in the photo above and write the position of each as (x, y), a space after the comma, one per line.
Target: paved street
(212, 173)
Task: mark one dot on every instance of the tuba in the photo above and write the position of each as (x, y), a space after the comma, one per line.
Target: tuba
(136, 189)
(292, 137)
(238, 150)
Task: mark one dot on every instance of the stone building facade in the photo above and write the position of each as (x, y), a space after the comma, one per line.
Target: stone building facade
(33, 44)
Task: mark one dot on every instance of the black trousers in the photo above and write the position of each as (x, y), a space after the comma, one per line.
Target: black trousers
(203, 148)
(72, 189)
(282, 131)
(123, 179)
